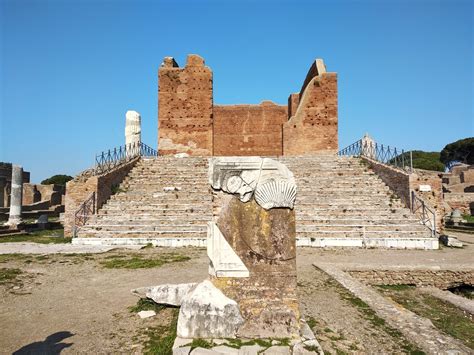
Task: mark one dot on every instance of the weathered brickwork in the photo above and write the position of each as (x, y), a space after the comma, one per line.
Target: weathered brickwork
(185, 107)
(459, 188)
(249, 129)
(314, 126)
(190, 123)
(442, 279)
(78, 190)
(33, 193)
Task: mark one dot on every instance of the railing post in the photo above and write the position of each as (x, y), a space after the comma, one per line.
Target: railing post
(411, 162)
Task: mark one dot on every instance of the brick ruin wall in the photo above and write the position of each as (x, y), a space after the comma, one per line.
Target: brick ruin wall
(185, 108)
(190, 123)
(33, 193)
(442, 279)
(314, 126)
(79, 189)
(249, 129)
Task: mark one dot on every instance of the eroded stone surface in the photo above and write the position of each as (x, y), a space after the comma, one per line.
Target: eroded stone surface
(264, 239)
(171, 294)
(207, 313)
(270, 182)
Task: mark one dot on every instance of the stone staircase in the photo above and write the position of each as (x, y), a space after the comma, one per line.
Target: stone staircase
(340, 202)
(166, 198)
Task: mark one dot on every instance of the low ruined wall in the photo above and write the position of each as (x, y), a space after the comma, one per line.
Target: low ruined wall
(442, 279)
(51, 193)
(398, 181)
(403, 184)
(462, 201)
(77, 191)
(249, 129)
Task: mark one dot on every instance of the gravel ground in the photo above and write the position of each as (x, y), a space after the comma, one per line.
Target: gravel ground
(74, 293)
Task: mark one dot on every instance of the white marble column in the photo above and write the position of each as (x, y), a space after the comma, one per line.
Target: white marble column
(16, 196)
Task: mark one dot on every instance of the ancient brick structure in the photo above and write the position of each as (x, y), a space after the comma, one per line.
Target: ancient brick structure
(190, 123)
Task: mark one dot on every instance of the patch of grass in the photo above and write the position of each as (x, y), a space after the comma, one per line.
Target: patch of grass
(396, 287)
(140, 262)
(312, 322)
(146, 304)
(370, 315)
(9, 275)
(264, 343)
(55, 236)
(468, 218)
(201, 343)
(311, 348)
(446, 317)
(465, 291)
(161, 338)
(12, 257)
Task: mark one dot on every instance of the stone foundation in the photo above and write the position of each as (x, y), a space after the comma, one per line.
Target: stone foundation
(442, 279)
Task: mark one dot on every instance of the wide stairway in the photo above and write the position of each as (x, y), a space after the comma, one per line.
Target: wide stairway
(165, 197)
(340, 202)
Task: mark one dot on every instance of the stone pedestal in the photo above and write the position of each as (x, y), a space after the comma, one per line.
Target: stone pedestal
(254, 216)
(16, 196)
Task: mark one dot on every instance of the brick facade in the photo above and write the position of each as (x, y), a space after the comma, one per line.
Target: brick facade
(249, 129)
(190, 123)
(185, 107)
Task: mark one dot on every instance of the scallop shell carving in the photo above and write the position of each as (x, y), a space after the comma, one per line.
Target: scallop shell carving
(276, 193)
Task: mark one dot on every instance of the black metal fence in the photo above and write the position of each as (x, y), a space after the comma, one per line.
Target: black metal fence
(83, 213)
(115, 157)
(381, 153)
(426, 214)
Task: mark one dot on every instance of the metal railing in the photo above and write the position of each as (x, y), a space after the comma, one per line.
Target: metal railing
(397, 158)
(115, 157)
(426, 214)
(83, 213)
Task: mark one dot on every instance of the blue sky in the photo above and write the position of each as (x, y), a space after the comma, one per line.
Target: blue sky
(69, 70)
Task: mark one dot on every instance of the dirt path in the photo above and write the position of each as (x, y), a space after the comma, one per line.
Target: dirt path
(75, 293)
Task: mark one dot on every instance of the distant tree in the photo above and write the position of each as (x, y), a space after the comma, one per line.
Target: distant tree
(57, 180)
(427, 160)
(421, 160)
(461, 150)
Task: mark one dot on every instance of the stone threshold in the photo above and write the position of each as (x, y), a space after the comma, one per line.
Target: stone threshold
(379, 243)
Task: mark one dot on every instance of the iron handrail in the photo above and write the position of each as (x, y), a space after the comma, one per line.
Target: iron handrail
(83, 213)
(385, 154)
(112, 158)
(426, 214)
